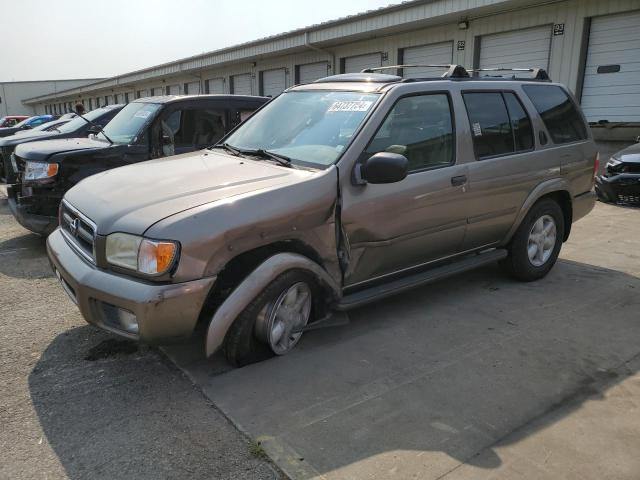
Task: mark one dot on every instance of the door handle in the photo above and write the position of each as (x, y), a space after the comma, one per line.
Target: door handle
(459, 180)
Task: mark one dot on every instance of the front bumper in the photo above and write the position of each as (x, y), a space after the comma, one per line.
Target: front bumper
(165, 313)
(41, 224)
(623, 188)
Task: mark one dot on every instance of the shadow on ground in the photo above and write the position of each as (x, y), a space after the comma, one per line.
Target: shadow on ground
(458, 367)
(111, 409)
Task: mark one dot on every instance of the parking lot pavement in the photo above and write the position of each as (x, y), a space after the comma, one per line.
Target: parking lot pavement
(471, 378)
(76, 404)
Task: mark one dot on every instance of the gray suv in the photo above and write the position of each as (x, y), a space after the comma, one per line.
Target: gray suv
(333, 195)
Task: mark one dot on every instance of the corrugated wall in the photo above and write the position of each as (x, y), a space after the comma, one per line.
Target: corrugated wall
(565, 54)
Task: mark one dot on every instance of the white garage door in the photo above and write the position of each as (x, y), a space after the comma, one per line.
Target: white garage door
(527, 48)
(611, 89)
(193, 88)
(174, 90)
(120, 98)
(216, 85)
(144, 93)
(359, 63)
(273, 82)
(156, 91)
(241, 84)
(312, 71)
(437, 54)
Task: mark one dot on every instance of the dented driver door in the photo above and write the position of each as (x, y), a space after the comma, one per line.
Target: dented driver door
(392, 227)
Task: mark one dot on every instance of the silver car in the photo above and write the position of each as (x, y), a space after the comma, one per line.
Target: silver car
(333, 195)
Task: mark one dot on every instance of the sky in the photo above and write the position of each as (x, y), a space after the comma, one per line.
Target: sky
(61, 39)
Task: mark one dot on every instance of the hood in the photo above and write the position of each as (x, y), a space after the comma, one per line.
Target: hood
(41, 151)
(629, 155)
(6, 131)
(130, 199)
(27, 136)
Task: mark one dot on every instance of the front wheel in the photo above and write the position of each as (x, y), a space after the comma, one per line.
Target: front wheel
(535, 247)
(273, 323)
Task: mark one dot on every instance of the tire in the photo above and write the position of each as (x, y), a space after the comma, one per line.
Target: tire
(247, 340)
(518, 263)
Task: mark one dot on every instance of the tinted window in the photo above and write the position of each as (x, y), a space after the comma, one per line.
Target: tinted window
(520, 123)
(490, 125)
(558, 113)
(196, 127)
(420, 128)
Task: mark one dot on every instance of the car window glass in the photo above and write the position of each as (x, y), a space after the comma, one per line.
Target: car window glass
(420, 128)
(312, 128)
(129, 122)
(558, 112)
(490, 125)
(520, 123)
(208, 126)
(244, 114)
(78, 122)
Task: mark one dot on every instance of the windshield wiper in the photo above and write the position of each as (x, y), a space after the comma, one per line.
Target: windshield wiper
(95, 125)
(281, 159)
(228, 148)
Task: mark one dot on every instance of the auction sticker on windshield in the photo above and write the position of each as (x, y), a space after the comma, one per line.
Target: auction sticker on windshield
(355, 106)
(142, 113)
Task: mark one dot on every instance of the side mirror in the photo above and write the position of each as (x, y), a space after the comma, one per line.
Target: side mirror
(93, 130)
(166, 140)
(383, 167)
(27, 127)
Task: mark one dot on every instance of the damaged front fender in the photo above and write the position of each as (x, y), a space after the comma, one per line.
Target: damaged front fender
(251, 286)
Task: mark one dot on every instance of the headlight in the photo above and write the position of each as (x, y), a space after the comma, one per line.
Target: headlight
(151, 257)
(40, 170)
(613, 162)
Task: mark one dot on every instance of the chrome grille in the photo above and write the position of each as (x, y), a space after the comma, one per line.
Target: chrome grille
(79, 231)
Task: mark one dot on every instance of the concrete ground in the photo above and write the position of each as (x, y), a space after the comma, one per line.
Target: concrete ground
(76, 403)
(475, 377)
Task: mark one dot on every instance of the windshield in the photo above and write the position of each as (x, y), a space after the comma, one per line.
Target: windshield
(127, 124)
(77, 122)
(46, 126)
(309, 127)
(24, 122)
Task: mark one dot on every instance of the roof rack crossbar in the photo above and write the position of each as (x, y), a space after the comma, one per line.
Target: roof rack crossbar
(452, 71)
(536, 73)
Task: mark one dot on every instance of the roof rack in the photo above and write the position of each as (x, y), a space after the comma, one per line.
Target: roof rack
(452, 71)
(536, 73)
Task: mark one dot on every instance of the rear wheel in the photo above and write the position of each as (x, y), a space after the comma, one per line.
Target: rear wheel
(273, 323)
(536, 244)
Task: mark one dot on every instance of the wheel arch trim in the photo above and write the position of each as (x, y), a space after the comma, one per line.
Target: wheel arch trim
(556, 185)
(252, 285)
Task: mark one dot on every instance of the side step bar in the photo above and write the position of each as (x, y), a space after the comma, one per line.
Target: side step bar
(417, 279)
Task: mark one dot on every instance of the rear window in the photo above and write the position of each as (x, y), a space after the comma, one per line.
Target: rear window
(558, 112)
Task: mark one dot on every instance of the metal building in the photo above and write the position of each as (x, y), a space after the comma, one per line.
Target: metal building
(592, 46)
(13, 94)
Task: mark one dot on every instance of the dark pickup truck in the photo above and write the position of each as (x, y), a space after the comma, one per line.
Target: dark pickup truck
(145, 129)
(77, 127)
